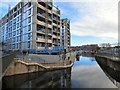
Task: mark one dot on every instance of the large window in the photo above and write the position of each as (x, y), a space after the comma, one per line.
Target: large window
(29, 27)
(29, 11)
(29, 4)
(14, 33)
(17, 46)
(29, 36)
(17, 19)
(17, 25)
(29, 20)
(17, 38)
(17, 32)
(28, 44)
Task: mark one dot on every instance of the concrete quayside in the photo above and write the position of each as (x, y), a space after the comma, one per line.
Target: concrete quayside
(112, 62)
(35, 63)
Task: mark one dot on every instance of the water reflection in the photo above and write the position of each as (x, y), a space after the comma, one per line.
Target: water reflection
(51, 79)
(87, 74)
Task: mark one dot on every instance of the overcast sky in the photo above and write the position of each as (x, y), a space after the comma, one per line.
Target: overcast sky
(92, 21)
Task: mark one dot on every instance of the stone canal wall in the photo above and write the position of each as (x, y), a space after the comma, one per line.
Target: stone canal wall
(114, 64)
(113, 73)
(21, 66)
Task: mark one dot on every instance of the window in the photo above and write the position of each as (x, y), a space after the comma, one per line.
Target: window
(28, 44)
(17, 19)
(17, 46)
(17, 25)
(29, 4)
(29, 36)
(17, 39)
(17, 32)
(29, 20)
(14, 33)
(18, 6)
(29, 28)
(13, 39)
(13, 46)
(14, 21)
(29, 11)
(14, 27)
(11, 23)
(20, 24)
(15, 15)
(20, 17)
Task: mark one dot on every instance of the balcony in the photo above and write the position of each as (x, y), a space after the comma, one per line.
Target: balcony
(41, 22)
(68, 36)
(54, 36)
(54, 24)
(40, 6)
(50, 48)
(49, 2)
(58, 37)
(54, 17)
(49, 41)
(59, 26)
(41, 48)
(50, 11)
(41, 15)
(58, 31)
(55, 30)
(56, 11)
(49, 33)
(49, 25)
(50, 18)
(55, 43)
(41, 31)
(40, 39)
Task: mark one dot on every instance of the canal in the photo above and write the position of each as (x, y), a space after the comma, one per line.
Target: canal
(85, 73)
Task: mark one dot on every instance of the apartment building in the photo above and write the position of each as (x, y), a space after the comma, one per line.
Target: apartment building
(31, 25)
(65, 33)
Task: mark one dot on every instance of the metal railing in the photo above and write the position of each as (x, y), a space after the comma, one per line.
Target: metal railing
(113, 56)
(47, 62)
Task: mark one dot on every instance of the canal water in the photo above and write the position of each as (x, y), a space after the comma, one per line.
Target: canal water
(85, 73)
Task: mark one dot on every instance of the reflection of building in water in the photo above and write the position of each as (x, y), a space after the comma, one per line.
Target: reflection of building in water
(114, 75)
(51, 79)
(66, 79)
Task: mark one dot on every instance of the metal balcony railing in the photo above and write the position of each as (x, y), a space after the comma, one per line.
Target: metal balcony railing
(41, 30)
(41, 14)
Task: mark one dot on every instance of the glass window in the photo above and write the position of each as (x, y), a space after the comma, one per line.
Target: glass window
(14, 33)
(29, 27)
(17, 25)
(29, 11)
(17, 32)
(28, 44)
(29, 4)
(17, 19)
(17, 46)
(29, 20)
(29, 36)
